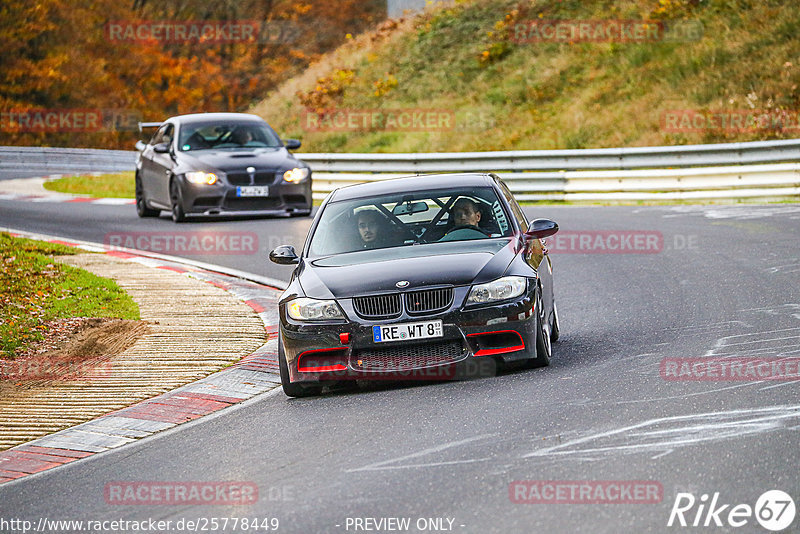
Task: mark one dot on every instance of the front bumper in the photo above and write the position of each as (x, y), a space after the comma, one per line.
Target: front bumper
(346, 350)
(221, 198)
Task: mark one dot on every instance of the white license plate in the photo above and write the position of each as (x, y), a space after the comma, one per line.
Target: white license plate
(252, 191)
(406, 331)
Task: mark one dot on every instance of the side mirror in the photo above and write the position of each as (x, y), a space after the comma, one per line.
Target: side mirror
(161, 148)
(284, 255)
(540, 228)
(292, 144)
(140, 146)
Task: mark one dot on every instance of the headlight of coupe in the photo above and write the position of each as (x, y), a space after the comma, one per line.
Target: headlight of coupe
(504, 288)
(306, 309)
(200, 177)
(296, 175)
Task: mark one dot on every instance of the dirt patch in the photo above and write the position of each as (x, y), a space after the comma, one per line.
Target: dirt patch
(80, 348)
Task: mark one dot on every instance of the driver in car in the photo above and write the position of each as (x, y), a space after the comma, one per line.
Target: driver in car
(466, 216)
(242, 135)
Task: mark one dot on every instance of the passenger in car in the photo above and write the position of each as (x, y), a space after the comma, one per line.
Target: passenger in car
(195, 142)
(372, 229)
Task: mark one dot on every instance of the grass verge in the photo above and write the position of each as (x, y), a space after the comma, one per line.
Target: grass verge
(35, 288)
(117, 185)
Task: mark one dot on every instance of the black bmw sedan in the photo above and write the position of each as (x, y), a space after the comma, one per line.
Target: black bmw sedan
(220, 164)
(411, 277)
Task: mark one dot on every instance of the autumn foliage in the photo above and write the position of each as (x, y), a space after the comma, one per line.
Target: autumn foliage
(60, 55)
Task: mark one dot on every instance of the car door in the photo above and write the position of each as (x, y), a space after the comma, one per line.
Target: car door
(146, 169)
(536, 252)
(162, 164)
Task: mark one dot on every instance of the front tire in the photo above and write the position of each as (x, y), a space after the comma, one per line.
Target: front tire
(141, 204)
(544, 347)
(178, 215)
(554, 328)
(291, 389)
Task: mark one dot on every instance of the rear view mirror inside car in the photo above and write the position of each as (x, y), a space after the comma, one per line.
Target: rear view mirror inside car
(409, 208)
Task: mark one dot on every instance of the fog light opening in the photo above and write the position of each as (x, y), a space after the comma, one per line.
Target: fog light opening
(498, 342)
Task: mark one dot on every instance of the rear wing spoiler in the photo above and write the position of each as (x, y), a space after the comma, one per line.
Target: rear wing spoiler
(149, 125)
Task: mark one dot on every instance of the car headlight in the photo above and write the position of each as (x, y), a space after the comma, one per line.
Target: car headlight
(296, 175)
(200, 177)
(504, 288)
(305, 309)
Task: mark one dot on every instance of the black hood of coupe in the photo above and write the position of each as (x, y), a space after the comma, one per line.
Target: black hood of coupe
(377, 271)
(238, 160)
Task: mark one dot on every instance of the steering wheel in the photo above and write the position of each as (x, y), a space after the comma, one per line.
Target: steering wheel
(467, 227)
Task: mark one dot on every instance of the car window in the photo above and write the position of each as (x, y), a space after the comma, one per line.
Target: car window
(163, 134)
(409, 219)
(224, 135)
(515, 208)
(158, 136)
(168, 133)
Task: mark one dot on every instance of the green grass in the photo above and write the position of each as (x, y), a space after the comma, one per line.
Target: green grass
(118, 185)
(34, 288)
(518, 96)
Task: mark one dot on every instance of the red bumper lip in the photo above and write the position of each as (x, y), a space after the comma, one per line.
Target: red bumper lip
(502, 335)
(329, 366)
(335, 359)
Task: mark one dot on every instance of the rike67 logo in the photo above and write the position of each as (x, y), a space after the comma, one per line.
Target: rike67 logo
(774, 510)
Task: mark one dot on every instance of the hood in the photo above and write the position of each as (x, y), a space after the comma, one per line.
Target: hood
(263, 159)
(377, 271)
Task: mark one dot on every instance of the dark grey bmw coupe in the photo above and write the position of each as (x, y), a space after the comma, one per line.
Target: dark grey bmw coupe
(409, 278)
(219, 164)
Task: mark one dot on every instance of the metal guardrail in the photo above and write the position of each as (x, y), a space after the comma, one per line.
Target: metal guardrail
(732, 170)
(45, 159)
(557, 160)
(740, 181)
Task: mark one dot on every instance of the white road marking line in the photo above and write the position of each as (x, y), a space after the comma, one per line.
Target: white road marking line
(657, 456)
(786, 383)
(424, 452)
(683, 396)
(719, 425)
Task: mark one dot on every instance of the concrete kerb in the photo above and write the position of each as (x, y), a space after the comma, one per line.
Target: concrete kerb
(252, 375)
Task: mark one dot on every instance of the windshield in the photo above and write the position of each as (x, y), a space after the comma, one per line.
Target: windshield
(407, 219)
(216, 135)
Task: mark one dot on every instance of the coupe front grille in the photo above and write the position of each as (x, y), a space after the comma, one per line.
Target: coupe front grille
(378, 307)
(406, 357)
(428, 300)
(251, 203)
(259, 178)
